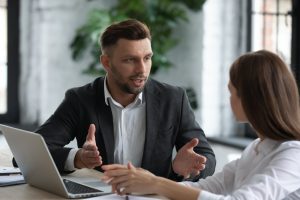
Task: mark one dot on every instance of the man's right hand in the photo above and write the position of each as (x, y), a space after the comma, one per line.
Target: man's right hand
(88, 156)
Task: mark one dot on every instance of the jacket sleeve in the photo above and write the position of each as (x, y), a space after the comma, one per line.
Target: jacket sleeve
(61, 128)
(188, 130)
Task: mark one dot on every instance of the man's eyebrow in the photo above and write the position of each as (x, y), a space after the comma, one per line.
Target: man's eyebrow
(135, 56)
(150, 54)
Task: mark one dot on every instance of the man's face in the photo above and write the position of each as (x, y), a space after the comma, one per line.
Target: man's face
(129, 65)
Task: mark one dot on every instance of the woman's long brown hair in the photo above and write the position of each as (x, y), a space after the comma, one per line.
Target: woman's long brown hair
(268, 93)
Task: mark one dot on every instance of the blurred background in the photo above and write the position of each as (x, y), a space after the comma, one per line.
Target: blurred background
(47, 47)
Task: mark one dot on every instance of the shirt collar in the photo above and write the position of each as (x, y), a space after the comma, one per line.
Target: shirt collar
(138, 100)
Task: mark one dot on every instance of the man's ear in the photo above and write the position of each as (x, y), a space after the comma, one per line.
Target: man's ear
(104, 59)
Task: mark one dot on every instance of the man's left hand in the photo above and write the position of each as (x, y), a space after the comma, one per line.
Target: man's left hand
(187, 162)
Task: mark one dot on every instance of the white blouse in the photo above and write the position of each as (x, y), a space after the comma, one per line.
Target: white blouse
(267, 170)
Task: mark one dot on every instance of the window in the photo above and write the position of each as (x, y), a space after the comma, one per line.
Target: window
(9, 61)
(272, 27)
(295, 64)
(3, 57)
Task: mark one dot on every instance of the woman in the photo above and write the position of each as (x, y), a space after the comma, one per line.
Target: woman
(265, 95)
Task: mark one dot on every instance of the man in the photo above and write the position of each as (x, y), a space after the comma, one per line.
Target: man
(126, 116)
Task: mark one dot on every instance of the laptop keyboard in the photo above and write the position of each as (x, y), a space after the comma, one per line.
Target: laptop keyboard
(76, 188)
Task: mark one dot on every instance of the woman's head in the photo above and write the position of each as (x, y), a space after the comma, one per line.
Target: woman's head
(268, 94)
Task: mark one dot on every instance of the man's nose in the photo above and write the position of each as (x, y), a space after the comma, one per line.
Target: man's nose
(140, 66)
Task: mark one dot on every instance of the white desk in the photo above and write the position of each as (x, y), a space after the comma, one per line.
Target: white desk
(26, 192)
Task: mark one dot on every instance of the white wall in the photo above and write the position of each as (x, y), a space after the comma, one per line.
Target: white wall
(223, 41)
(187, 58)
(47, 69)
(209, 43)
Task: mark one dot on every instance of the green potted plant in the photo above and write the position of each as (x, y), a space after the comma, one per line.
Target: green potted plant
(162, 16)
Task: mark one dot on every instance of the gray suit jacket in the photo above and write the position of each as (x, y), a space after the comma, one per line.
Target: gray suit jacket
(169, 122)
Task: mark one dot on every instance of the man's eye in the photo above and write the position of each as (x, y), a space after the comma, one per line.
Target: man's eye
(129, 60)
(148, 58)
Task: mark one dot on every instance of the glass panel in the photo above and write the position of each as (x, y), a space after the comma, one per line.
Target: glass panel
(270, 6)
(256, 6)
(285, 6)
(260, 6)
(285, 32)
(3, 57)
(272, 30)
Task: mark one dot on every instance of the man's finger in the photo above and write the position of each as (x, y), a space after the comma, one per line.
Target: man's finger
(91, 134)
(90, 147)
(92, 161)
(191, 144)
(200, 160)
(202, 167)
(195, 172)
(92, 154)
(130, 166)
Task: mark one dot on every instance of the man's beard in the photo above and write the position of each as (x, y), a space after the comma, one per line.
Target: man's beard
(126, 88)
(132, 90)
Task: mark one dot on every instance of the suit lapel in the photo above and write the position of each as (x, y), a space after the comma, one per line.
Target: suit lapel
(105, 123)
(152, 118)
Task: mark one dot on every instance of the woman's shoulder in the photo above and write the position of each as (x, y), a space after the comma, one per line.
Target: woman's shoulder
(286, 150)
(270, 146)
(291, 144)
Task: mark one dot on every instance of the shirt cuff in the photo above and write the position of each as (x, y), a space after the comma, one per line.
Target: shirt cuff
(69, 165)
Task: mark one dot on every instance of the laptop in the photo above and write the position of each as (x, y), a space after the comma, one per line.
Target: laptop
(38, 168)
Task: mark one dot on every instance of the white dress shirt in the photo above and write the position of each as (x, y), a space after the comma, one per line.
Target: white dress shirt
(267, 170)
(129, 125)
(129, 129)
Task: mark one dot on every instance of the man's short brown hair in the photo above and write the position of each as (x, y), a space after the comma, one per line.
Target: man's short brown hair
(130, 29)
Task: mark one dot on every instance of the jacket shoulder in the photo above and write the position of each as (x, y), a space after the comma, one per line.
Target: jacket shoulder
(89, 89)
(155, 85)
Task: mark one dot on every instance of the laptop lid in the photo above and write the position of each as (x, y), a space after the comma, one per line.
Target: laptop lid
(36, 164)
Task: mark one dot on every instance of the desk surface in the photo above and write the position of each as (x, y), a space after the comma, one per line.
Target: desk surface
(25, 191)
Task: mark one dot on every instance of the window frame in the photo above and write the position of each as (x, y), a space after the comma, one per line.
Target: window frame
(13, 58)
(295, 50)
